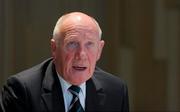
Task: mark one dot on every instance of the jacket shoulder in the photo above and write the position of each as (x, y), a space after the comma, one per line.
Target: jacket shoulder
(115, 90)
(20, 88)
(30, 75)
(108, 78)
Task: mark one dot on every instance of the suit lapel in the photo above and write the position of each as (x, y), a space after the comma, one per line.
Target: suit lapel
(52, 96)
(95, 95)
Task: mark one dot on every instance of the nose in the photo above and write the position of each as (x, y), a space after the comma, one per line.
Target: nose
(81, 53)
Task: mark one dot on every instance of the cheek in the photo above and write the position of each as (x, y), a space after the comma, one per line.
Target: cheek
(92, 59)
(93, 54)
(67, 59)
(92, 64)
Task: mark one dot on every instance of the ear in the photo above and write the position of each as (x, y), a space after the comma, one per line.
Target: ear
(101, 45)
(53, 48)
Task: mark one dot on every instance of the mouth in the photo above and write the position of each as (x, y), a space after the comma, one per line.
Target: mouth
(79, 68)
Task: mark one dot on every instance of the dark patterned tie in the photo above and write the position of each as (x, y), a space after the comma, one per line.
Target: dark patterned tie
(75, 105)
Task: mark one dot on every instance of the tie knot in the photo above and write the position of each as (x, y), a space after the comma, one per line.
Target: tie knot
(74, 89)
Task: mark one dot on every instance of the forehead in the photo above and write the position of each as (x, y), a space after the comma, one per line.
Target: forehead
(80, 23)
(74, 30)
(80, 35)
(79, 32)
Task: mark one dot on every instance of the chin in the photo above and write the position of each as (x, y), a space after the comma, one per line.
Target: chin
(79, 81)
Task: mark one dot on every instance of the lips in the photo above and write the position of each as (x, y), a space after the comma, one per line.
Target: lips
(79, 68)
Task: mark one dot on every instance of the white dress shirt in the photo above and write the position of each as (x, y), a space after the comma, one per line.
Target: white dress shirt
(67, 95)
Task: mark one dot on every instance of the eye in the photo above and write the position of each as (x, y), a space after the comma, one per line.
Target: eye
(71, 45)
(90, 44)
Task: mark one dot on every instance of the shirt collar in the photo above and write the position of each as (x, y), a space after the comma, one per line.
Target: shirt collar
(65, 85)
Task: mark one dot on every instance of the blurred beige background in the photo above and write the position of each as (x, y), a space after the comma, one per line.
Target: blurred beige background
(142, 43)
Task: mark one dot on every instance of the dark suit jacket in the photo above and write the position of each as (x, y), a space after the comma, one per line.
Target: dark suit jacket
(38, 89)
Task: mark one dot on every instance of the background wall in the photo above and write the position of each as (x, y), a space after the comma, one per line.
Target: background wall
(142, 43)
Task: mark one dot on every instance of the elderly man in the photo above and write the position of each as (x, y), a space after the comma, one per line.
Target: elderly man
(70, 80)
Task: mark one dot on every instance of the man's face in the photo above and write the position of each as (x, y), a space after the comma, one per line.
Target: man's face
(76, 55)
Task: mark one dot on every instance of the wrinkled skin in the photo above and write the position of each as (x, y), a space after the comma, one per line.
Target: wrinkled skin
(77, 48)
